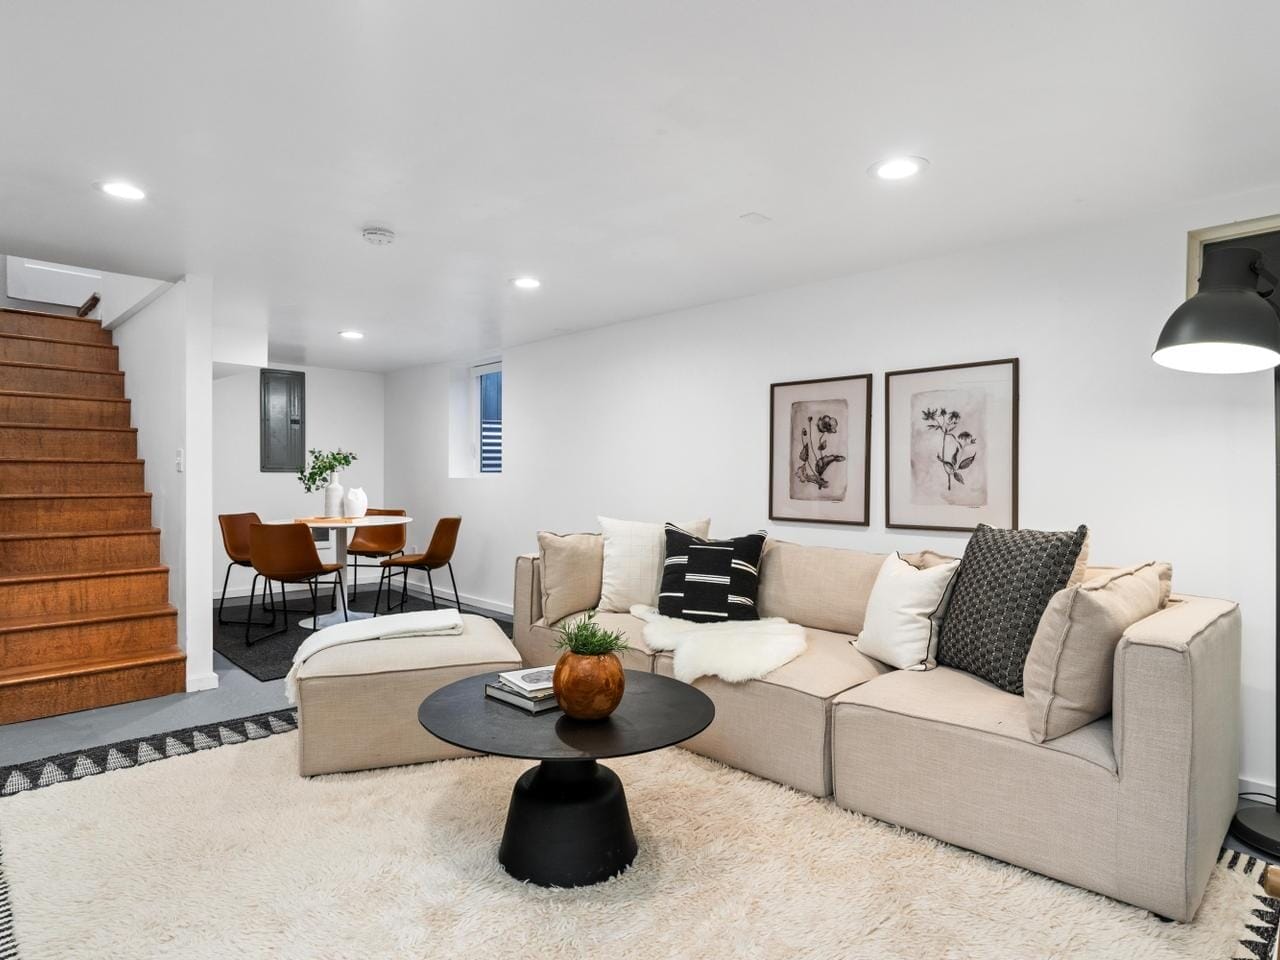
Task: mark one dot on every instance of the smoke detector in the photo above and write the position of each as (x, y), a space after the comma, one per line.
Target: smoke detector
(378, 236)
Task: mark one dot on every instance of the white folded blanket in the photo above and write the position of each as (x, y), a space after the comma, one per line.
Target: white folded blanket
(734, 650)
(422, 623)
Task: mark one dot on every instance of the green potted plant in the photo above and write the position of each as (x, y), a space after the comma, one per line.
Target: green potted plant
(325, 472)
(588, 678)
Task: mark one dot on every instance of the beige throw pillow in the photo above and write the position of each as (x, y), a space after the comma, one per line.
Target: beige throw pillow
(571, 569)
(1067, 678)
(633, 555)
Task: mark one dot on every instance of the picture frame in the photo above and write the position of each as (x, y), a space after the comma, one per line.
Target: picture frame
(820, 450)
(951, 446)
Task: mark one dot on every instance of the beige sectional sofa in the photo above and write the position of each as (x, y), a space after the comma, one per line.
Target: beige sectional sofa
(1134, 805)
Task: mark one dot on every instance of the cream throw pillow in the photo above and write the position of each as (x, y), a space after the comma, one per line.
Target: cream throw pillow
(1067, 678)
(904, 613)
(633, 555)
(571, 568)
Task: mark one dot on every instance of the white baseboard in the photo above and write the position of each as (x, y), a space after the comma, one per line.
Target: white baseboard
(1257, 786)
(419, 589)
(202, 681)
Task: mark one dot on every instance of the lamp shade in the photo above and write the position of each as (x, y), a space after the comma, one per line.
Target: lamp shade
(1227, 327)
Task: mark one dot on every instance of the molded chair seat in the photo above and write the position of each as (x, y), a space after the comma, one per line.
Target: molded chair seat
(286, 553)
(439, 553)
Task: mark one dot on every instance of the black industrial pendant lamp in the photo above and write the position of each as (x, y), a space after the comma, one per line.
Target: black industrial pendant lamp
(1230, 327)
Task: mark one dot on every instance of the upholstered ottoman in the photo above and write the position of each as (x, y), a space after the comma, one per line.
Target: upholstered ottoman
(358, 702)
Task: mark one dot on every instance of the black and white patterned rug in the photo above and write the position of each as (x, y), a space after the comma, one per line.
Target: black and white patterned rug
(34, 774)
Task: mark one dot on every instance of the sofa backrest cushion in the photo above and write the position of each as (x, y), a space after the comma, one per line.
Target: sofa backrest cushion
(571, 572)
(1067, 680)
(820, 587)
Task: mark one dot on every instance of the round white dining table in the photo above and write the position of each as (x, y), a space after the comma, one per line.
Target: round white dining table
(342, 527)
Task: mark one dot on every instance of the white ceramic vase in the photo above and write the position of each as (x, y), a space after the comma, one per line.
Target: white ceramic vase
(355, 503)
(333, 495)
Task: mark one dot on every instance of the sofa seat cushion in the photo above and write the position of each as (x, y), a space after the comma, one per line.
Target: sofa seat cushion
(956, 698)
(358, 702)
(637, 657)
(777, 727)
(481, 641)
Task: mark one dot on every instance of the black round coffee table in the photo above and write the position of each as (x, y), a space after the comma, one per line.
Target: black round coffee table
(567, 823)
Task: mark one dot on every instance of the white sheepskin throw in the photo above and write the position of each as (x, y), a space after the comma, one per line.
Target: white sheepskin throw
(735, 651)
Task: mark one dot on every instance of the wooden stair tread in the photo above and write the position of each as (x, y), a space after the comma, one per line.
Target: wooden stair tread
(37, 395)
(57, 316)
(57, 340)
(40, 535)
(71, 668)
(51, 621)
(84, 460)
(24, 425)
(106, 570)
(58, 366)
(77, 496)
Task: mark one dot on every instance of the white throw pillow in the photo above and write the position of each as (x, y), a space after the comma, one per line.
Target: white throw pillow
(633, 555)
(904, 613)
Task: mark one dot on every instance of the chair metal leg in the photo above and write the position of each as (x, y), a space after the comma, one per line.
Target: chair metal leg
(269, 605)
(433, 591)
(377, 600)
(457, 597)
(225, 580)
(284, 610)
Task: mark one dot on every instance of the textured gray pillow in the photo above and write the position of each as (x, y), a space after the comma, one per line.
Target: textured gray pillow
(1005, 581)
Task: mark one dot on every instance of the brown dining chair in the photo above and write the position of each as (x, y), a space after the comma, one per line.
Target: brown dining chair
(439, 554)
(376, 542)
(235, 540)
(286, 553)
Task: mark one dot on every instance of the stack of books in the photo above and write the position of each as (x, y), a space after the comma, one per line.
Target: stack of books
(529, 690)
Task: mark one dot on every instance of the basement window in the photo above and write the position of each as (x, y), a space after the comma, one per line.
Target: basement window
(488, 405)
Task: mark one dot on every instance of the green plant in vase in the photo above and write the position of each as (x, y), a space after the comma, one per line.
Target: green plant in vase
(588, 679)
(323, 473)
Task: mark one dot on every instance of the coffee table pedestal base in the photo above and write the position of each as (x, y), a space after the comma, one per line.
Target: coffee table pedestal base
(567, 825)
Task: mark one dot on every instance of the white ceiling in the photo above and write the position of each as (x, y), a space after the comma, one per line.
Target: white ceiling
(609, 148)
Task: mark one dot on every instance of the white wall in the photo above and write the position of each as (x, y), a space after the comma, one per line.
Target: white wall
(164, 352)
(344, 409)
(668, 416)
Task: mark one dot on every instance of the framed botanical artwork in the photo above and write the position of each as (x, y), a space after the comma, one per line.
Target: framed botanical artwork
(951, 446)
(820, 450)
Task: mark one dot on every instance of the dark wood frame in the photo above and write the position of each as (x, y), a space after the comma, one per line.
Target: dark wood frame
(888, 425)
(866, 484)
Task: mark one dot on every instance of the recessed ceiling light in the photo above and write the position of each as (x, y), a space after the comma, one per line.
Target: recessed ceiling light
(122, 190)
(898, 168)
(351, 335)
(526, 283)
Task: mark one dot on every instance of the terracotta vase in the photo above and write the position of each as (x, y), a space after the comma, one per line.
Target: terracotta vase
(588, 687)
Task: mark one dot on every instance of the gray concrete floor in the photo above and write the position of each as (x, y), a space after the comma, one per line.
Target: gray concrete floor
(237, 695)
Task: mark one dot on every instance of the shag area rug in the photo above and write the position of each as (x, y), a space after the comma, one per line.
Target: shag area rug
(217, 853)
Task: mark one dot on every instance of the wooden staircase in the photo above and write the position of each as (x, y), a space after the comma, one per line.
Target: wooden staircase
(85, 618)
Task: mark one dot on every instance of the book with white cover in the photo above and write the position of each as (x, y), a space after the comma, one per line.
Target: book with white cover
(535, 680)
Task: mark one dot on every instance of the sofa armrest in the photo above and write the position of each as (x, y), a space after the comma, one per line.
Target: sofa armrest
(527, 606)
(1177, 742)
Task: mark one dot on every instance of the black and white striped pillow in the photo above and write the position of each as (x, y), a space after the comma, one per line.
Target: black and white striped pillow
(710, 580)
